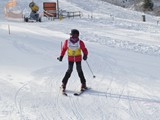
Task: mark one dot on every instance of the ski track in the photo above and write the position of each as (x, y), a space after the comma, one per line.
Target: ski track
(108, 87)
(101, 103)
(75, 111)
(18, 101)
(131, 110)
(117, 103)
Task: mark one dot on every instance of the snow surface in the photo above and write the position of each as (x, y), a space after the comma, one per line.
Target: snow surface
(124, 54)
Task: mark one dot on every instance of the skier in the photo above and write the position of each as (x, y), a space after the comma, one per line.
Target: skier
(74, 46)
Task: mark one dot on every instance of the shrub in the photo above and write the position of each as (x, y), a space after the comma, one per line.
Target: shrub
(148, 5)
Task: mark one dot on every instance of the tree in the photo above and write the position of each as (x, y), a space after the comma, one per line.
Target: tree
(148, 5)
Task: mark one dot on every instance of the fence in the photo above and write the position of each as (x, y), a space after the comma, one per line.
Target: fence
(10, 12)
(65, 14)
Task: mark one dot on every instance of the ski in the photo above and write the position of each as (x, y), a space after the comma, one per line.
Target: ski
(78, 93)
(64, 93)
(81, 92)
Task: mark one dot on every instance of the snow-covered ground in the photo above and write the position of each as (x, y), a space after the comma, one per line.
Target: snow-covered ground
(124, 54)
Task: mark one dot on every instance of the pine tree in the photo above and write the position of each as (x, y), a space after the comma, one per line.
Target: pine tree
(148, 5)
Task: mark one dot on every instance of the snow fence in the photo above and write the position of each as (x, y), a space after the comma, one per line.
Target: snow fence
(11, 10)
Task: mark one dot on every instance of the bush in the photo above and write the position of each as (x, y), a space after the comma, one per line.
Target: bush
(148, 5)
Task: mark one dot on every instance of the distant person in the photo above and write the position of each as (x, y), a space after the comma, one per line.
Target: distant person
(74, 46)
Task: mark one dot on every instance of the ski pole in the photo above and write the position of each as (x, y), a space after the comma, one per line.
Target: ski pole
(9, 30)
(90, 69)
(61, 51)
(61, 46)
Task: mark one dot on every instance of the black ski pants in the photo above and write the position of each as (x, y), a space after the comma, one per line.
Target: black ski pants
(69, 71)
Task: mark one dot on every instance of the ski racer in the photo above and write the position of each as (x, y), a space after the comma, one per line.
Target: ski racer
(74, 46)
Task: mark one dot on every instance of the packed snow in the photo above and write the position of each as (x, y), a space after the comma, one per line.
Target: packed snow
(124, 55)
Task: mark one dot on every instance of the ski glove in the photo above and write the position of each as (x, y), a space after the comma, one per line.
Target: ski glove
(60, 58)
(85, 57)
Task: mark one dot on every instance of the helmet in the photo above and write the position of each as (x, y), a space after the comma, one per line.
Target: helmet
(74, 31)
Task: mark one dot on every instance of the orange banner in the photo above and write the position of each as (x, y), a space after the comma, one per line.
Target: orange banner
(11, 3)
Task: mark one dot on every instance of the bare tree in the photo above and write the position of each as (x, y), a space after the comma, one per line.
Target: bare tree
(147, 5)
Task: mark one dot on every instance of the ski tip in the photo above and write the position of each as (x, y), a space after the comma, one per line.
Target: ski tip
(76, 94)
(64, 94)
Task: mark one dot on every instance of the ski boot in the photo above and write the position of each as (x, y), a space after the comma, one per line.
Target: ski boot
(63, 87)
(84, 87)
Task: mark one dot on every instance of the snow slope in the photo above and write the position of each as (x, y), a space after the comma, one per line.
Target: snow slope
(124, 54)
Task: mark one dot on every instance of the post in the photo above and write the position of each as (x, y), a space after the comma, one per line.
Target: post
(91, 15)
(61, 46)
(144, 18)
(157, 22)
(58, 9)
(9, 31)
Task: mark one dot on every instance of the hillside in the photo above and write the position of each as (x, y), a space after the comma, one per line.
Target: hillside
(137, 5)
(124, 55)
